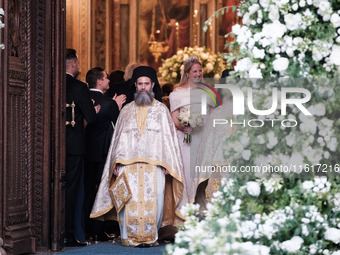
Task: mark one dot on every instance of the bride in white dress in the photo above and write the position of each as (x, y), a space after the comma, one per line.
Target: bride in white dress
(187, 95)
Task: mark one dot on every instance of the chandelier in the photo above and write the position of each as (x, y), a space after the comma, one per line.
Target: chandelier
(156, 46)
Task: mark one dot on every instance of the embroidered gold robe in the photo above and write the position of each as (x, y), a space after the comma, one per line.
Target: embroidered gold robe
(144, 137)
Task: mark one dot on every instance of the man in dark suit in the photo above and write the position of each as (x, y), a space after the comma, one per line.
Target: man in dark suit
(79, 106)
(98, 138)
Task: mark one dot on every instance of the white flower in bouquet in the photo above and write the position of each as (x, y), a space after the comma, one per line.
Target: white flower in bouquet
(189, 118)
(333, 234)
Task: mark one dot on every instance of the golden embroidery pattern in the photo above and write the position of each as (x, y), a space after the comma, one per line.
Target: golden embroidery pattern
(141, 118)
(120, 192)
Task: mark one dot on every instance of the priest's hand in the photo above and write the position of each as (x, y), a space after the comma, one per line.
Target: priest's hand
(165, 172)
(116, 170)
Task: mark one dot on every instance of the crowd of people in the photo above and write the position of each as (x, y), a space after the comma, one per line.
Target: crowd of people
(125, 154)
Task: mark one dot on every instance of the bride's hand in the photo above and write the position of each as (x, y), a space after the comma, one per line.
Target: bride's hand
(187, 130)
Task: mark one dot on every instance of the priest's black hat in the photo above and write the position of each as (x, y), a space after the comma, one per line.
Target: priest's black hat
(151, 73)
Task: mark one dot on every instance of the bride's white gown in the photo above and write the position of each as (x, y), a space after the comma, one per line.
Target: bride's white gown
(190, 98)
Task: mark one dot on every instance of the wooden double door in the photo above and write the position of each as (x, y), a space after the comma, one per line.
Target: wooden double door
(32, 130)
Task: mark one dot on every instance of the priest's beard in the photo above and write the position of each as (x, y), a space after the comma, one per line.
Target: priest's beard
(142, 99)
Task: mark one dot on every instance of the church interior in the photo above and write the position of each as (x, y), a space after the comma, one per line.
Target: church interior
(105, 33)
(112, 34)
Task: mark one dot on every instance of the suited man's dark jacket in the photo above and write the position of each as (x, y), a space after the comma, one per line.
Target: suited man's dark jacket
(120, 88)
(99, 133)
(78, 92)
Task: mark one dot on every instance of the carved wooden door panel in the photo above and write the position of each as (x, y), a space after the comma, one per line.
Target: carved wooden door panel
(31, 136)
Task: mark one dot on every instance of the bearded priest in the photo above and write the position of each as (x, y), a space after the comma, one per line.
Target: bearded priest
(143, 168)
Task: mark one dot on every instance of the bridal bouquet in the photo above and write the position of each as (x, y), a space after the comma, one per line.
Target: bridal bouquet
(2, 25)
(189, 118)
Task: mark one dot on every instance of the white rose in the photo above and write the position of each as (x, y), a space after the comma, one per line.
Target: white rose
(246, 19)
(180, 251)
(290, 139)
(209, 67)
(254, 8)
(273, 13)
(236, 29)
(307, 185)
(2, 12)
(293, 21)
(258, 53)
(253, 188)
(243, 65)
(260, 139)
(292, 245)
(251, 43)
(318, 109)
(264, 42)
(272, 140)
(255, 73)
(334, 58)
(246, 154)
(335, 19)
(333, 234)
(204, 56)
(274, 30)
(302, 3)
(280, 64)
(264, 3)
(2, 25)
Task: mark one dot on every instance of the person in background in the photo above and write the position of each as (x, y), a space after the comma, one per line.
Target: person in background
(145, 152)
(98, 135)
(116, 79)
(79, 107)
(124, 86)
(167, 88)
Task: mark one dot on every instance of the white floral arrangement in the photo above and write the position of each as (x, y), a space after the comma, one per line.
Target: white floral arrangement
(212, 64)
(246, 217)
(293, 212)
(190, 118)
(288, 38)
(2, 25)
(300, 145)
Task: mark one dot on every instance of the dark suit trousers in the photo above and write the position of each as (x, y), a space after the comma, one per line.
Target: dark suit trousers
(93, 176)
(74, 216)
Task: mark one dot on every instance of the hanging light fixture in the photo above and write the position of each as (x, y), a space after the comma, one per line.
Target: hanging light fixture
(156, 46)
